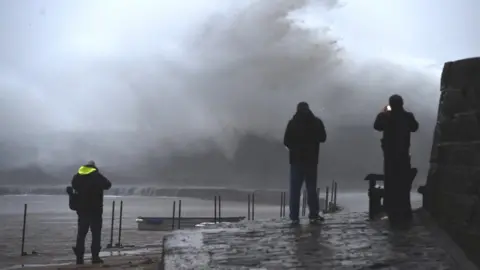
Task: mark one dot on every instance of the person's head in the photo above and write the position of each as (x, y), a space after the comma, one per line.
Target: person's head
(395, 102)
(303, 107)
(91, 163)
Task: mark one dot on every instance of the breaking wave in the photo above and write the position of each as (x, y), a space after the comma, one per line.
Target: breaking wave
(206, 193)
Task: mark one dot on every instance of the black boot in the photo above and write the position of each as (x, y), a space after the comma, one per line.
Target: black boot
(96, 259)
(79, 256)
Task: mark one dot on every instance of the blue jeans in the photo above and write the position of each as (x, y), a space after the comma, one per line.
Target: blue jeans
(298, 175)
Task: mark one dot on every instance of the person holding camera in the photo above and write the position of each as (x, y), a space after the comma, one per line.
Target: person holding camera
(396, 124)
(86, 198)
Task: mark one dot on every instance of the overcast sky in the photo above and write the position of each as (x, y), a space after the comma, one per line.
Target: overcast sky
(191, 69)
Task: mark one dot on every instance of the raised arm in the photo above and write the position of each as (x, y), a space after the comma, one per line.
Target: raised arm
(379, 123)
(76, 183)
(104, 182)
(412, 122)
(288, 136)
(322, 133)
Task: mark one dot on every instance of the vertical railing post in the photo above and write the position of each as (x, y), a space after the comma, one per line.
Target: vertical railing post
(326, 200)
(215, 209)
(23, 253)
(281, 203)
(335, 198)
(253, 205)
(371, 199)
(179, 212)
(173, 215)
(332, 194)
(119, 244)
(219, 208)
(249, 206)
(112, 225)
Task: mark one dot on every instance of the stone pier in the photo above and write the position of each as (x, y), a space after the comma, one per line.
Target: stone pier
(345, 241)
(453, 184)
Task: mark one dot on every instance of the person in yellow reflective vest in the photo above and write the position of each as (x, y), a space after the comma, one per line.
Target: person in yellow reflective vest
(89, 185)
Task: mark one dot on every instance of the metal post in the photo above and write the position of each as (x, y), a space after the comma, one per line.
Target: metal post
(112, 224)
(284, 202)
(179, 212)
(333, 187)
(335, 197)
(248, 211)
(120, 225)
(219, 208)
(281, 203)
(173, 215)
(23, 253)
(371, 199)
(253, 206)
(215, 209)
(326, 200)
(318, 195)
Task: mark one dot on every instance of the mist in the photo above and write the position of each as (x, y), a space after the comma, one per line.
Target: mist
(165, 91)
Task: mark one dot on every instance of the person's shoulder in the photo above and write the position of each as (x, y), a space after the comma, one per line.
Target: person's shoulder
(97, 173)
(318, 120)
(409, 114)
(76, 176)
(290, 123)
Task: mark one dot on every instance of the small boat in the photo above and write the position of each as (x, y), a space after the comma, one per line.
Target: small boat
(169, 223)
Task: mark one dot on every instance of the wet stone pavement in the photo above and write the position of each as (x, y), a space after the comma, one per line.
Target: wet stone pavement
(344, 241)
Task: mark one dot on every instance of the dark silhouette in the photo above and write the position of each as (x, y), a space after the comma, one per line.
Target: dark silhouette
(303, 135)
(88, 186)
(396, 125)
(72, 198)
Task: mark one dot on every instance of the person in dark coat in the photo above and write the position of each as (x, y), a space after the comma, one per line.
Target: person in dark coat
(88, 185)
(303, 136)
(397, 124)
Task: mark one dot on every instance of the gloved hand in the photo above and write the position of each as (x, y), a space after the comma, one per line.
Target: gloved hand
(70, 190)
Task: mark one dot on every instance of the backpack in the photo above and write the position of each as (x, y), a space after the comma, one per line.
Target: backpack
(72, 198)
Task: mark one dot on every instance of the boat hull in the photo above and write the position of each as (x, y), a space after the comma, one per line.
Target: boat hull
(169, 223)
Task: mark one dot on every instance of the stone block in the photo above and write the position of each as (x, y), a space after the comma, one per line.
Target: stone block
(451, 179)
(454, 211)
(435, 142)
(463, 127)
(454, 101)
(438, 181)
(469, 241)
(453, 182)
(461, 73)
(460, 154)
(450, 189)
(472, 95)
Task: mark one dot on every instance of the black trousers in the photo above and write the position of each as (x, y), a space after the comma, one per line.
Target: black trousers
(298, 175)
(86, 222)
(398, 184)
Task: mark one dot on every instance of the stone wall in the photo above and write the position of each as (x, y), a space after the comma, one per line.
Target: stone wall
(453, 183)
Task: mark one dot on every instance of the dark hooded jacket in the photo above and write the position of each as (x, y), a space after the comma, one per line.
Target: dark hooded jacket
(89, 185)
(303, 135)
(396, 126)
